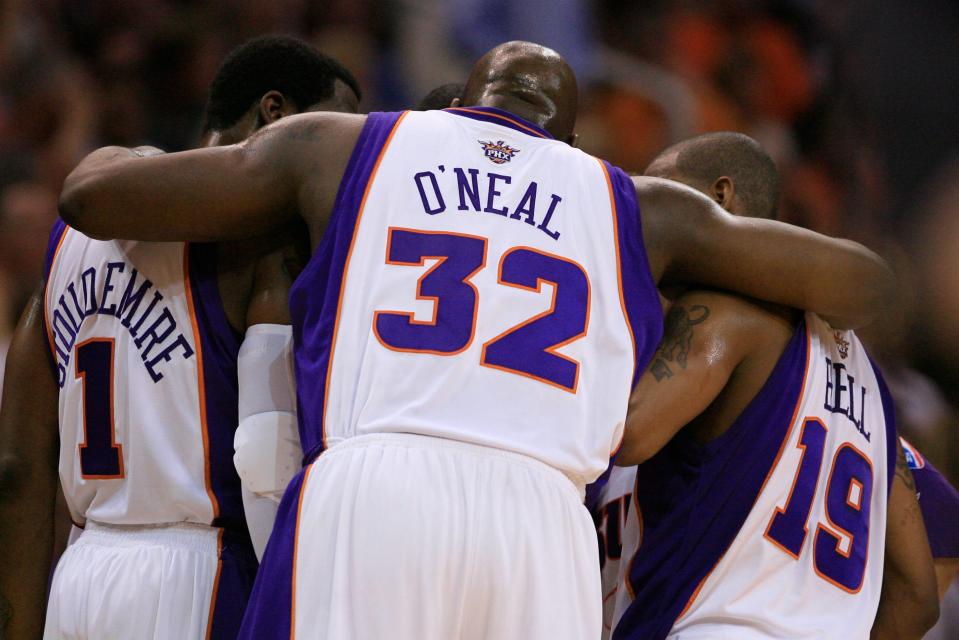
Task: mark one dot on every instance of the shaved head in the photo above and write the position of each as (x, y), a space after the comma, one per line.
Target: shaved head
(702, 161)
(529, 80)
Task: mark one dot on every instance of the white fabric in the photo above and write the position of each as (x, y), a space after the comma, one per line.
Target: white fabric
(612, 527)
(267, 452)
(374, 389)
(267, 441)
(121, 292)
(758, 590)
(420, 538)
(118, 583)
(265, 370)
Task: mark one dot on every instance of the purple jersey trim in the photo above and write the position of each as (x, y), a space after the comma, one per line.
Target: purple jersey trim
(695, 498)
(233, 587)
(492, 115)
(269, 614)
(644, 313)
(220, 348)
(56, 234)
(53, 244)
(892, 437)
(315, 296)
(939, 502)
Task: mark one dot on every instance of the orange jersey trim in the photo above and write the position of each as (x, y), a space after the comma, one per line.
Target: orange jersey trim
(201, 384)
(346, 269)
(46, 292)
(296, 543)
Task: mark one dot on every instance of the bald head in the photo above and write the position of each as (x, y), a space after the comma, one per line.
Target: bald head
(529, 80)
(731, 168)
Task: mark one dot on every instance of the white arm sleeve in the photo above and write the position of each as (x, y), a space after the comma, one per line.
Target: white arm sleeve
(267, 452)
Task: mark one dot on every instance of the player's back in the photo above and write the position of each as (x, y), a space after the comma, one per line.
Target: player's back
(479, 281)
(775, 528)
(146, 364)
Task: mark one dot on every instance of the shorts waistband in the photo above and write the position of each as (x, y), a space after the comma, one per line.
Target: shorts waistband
(183, 535)
(436, 442)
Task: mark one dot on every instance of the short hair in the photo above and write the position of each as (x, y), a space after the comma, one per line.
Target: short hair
(272, 63)
(710, 156)
(441, 96)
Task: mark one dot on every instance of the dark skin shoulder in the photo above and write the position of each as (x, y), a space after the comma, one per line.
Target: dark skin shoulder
(716, 354)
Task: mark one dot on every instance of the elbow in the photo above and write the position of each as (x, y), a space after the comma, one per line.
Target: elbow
(74, 204)
(11, 476)
(635, 448)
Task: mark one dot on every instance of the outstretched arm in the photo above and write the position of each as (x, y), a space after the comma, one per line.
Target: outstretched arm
(215, 193)
(909, 604)
(691, 240)
(28, 476)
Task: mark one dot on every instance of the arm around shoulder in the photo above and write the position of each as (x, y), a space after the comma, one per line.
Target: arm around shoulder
(691, 240)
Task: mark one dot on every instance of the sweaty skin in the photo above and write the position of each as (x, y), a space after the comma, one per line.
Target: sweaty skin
(293, 169)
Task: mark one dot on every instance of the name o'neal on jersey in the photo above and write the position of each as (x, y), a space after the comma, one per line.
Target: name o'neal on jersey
(481, 192)
(148, 321)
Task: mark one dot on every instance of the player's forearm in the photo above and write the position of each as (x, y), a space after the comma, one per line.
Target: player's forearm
(840, 280)
(211, 194)
(26, 545)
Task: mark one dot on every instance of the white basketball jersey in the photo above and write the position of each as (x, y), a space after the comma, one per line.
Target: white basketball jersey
(138, 442)
(482, 293)
(611, 514)
(805, 558)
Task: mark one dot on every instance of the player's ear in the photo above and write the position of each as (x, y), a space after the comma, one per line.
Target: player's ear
(573, 140)
(455, 102)
(723, 191)
(273, 106)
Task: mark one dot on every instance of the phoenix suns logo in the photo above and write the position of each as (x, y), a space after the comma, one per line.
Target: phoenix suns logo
(498, 152)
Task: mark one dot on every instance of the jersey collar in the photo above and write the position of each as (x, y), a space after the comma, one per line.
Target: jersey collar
(502, 118)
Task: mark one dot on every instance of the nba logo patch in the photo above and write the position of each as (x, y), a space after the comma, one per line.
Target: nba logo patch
(498, 152)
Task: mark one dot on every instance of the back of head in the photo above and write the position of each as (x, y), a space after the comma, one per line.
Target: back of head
(699, 162)
(528, 80)
(441, 97)
(272, 63)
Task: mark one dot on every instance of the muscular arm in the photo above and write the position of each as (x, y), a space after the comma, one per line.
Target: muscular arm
(216, 193)
(909, 604)
(690, 239)
(28, 477)
(709, 339)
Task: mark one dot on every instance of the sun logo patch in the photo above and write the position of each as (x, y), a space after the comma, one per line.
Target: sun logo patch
(842, 343)
(498, 152)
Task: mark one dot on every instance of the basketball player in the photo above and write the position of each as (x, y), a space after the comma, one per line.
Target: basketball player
(468, 403)
(766, 503)
(441, 97)
(268, 451)
(143, 342)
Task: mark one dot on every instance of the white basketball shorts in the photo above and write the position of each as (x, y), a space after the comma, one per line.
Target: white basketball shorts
(413, 537)
(183, 581)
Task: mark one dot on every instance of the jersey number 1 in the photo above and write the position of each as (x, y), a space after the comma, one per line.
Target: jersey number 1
(527, 349)
(848, 494)
(101, 458)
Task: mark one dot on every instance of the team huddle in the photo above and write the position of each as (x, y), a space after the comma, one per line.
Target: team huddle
(409, 375)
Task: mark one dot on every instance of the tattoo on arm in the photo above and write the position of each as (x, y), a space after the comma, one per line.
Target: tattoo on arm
(902, 468)
(677, 339)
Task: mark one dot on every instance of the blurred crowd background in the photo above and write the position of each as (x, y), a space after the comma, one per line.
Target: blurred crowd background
(857, 101)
